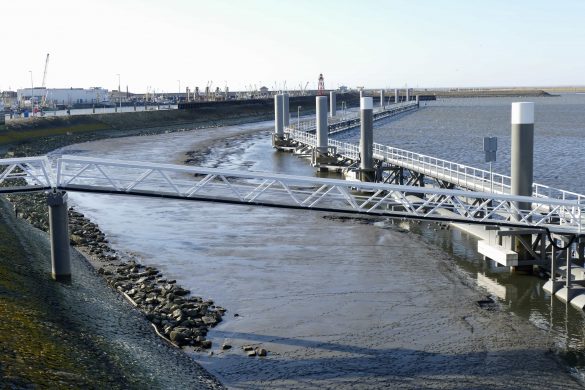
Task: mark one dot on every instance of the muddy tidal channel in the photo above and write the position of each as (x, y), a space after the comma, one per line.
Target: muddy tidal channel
(336, 302)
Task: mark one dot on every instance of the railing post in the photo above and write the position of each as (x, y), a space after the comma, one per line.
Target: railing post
(59, 235)
(367, 139)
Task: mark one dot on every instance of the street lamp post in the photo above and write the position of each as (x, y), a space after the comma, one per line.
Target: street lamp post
(299, 117)
(119, 92)
(32, 95)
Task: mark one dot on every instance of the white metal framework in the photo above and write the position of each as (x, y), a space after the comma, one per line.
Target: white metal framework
(25, 174)
(463, 176)
(205, 184)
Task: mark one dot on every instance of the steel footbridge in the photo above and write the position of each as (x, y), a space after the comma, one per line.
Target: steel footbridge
(95, 175)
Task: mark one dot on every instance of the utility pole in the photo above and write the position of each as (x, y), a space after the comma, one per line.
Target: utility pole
(32, 95)
(119, 92)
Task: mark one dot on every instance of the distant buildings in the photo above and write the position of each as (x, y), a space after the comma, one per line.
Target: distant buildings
(64, 96)
(8, 99)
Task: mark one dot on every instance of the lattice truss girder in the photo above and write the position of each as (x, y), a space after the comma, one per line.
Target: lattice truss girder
(306, 192)
(27, 174)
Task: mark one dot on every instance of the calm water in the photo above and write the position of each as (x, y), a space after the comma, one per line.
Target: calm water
(316, 292)
(453, 129)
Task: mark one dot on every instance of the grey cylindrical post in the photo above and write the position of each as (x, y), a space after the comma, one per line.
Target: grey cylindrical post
(93, 108)
(407, 95)
(522, 150)
(417, 100)
(322, 126)
(367, 133)
(396, 100)
(382, 98)
(285, 110)
(278, 111)
(568, 274)
(59, 232)
(332, 104)
(361, 93)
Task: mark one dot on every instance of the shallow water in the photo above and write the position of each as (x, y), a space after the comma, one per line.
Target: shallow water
(336, 302)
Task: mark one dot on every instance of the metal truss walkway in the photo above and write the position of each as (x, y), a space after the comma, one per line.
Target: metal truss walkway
(84, 174)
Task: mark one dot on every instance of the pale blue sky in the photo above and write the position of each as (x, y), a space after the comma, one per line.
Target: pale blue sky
(371, 43)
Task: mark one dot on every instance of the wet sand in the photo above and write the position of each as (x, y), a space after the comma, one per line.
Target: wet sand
(338, 303)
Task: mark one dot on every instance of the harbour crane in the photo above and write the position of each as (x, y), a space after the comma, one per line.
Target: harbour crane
(44, 98)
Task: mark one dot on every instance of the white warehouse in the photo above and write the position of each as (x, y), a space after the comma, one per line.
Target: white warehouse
(64, 96)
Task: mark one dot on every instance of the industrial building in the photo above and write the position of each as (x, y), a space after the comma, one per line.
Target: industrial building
(64, 96)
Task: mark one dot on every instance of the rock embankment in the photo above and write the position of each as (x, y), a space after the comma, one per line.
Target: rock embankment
(176, 315)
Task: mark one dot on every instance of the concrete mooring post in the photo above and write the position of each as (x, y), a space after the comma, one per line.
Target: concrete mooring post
(285, 110)
(278, 121)
(332, 104)
(59, 235)
(322, 125)
(396, 97)
(367, 139)
(522, 150)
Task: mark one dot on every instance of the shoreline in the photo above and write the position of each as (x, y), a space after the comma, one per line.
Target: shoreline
(477, 316)
(124, 274)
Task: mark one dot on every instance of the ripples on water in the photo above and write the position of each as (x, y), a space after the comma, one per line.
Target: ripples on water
(453, 129)
(251, 264)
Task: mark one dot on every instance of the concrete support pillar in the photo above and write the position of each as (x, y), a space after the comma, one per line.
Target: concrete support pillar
(568, 269)
(407, 95)
(553, 264)
(322, 125)
(367, 139)
(522, 151)
(59, 232)
(332, 104)
(382, 98)
(396, 96)
(278, 114)
(285, 110)
(417, 101)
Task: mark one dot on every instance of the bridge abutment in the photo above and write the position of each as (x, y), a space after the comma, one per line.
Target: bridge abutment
(59, 235)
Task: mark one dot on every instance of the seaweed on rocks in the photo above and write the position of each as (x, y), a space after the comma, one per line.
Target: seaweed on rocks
(181, 318)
